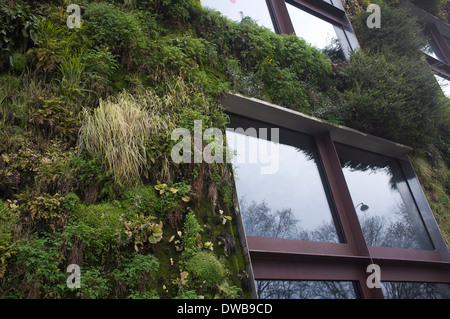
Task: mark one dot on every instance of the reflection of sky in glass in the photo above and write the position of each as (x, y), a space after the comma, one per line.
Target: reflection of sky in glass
(445, 85)
(392, 218)
(382, 199)
(313, 30)
(296, 184)
(255, 9)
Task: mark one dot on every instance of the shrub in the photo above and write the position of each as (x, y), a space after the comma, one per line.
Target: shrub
(138, 273)
(111, 27)
(14, 21)
(392, 97)
(94, 285)
(105, 218)
(37, 272)
(400, 33)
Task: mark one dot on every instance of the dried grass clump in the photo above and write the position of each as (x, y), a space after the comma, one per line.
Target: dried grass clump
(116, 132)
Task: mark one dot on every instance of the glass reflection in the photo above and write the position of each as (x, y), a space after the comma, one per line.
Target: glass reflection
(292, 289)
(444, 84)
(390, 217)
(237, 9)
(290, 203)
(415, 290)
(431, 48)
(316, 32)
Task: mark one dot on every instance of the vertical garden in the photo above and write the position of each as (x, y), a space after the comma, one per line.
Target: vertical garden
(86, 116)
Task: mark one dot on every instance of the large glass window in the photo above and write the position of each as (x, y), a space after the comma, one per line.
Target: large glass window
(289, 200)
(237, 9)
(386, 209)
(296, 289)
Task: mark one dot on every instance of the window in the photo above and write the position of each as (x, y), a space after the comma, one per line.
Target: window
(317, 32)
(323, 24)
(386, 210)
(335, 201)
(291, 201)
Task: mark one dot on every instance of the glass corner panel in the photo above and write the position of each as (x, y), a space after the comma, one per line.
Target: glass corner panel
(383, 202)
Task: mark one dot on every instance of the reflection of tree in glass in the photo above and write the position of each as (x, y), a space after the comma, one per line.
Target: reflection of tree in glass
(415, 290)
(334, 50)
(382, 231)
(290, 289)
(259, 220)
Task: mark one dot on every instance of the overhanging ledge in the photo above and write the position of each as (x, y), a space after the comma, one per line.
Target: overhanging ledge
(283, 117)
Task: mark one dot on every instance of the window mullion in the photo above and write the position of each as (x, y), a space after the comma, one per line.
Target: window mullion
(344, 206)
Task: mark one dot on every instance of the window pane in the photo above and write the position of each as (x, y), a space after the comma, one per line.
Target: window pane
(383, 202)
(237, 9)
(316, 32)
(445, 85)
(290, 201)
(291, 289)
(415, 290)
(431, 48)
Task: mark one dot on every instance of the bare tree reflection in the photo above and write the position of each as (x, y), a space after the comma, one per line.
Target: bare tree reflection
(291, 289)
(415, 290)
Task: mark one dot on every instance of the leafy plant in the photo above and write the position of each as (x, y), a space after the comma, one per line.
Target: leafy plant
(141, 230)
(137, 273)
(18, 30)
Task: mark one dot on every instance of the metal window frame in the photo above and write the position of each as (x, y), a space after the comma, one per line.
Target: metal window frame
(323, 10)
(286, 259)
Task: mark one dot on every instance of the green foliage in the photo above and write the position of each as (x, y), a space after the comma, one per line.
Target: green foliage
(14, 21)
(173, 197)
(141, 231)
(37, 268)
(52, 117)
(111, 27)
(400, 33)
(392, 97)
(206, 269)
(137, 273)
(94, 285)
(105, 218)
(99, 65)
(191, 234)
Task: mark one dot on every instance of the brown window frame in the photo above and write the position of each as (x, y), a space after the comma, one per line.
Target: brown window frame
(287, 259)
(333, 14)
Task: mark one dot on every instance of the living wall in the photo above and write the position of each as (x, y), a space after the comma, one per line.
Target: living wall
(86, 117)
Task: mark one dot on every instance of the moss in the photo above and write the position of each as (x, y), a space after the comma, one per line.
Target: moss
(205, 267)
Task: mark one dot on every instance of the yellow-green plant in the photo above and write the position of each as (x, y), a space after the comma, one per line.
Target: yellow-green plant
(116, 132)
